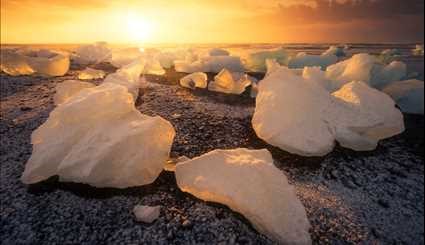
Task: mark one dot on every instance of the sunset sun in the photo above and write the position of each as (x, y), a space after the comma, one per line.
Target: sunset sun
(139, 29)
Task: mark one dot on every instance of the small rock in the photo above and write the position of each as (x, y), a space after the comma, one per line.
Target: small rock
(26, 108)
(187, 224)
(146, 214)
(383, 203)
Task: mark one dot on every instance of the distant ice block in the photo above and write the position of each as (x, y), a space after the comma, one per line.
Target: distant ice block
(256, 61)
(409, 95)
(365, 68)
(335, 50)
(248, 182)
(195, 80)
(307, 60)
(126, 56)
(67, 89)
(14, 64)
(57, 65)
(389, 55)
(301, 117)
(99, 138)
(92, 54)
(230, 83)
(419, 50)
(218, 52)
(46, 63)
(90, 74)
(212, 64)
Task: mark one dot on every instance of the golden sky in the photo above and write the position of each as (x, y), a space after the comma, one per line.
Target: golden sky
(215, 21)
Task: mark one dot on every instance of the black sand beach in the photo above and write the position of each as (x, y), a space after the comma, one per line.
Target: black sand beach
(350, 197)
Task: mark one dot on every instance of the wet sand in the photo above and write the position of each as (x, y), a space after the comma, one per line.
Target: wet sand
(350, 197)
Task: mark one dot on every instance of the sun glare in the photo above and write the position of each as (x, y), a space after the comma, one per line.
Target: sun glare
(138, 28)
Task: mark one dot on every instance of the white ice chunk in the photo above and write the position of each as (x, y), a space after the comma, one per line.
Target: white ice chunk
(335, 50)
(318, 76)
(67, 89)
(57, 65)
(129, 77)
(365, 68)
(301, 117)
(304, 60)
(89, 74)
(256, 61)
(195, 80)
(363, 116)
(230, 83)
(98, 137)
(248, 182)
(92, 54)
(409, 95)
(218, 52)
(271, 66)
(146, 214)
(212, 64)
(395, 71)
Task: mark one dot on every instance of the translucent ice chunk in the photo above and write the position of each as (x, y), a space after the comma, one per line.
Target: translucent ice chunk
(195, 80)
(248, 182)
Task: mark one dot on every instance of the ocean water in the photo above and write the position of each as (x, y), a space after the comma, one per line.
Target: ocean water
(415, 63)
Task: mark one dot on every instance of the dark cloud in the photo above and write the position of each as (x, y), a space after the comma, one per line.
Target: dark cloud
(343, 11)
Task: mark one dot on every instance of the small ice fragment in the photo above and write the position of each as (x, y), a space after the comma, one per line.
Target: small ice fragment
(195, 80)
(230, 83)
(89, 74)
(419, 50)
(146, 214)
(334, 50)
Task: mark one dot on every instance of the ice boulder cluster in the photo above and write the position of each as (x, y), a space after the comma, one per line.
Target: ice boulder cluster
(248, 182)
(92, 54)
(212, 64)
(307, 60)
(365, 68)
(335, 50)
(96, 136)
(256, 61)
(42, 62)
(357, 116)
(409, 95)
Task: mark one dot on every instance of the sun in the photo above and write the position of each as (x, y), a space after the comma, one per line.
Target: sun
(138, 28)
